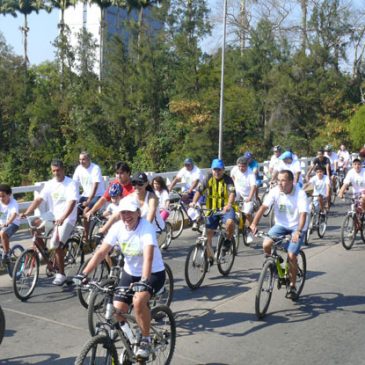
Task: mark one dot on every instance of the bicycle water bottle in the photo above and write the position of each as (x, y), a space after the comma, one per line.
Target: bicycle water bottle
(127, 331)
(109, 311)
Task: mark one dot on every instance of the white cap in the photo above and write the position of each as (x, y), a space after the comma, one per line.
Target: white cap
(128, 203)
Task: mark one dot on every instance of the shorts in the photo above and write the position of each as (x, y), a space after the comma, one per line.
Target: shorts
(213, 220)
(247, 207)
(10, 229)
(64, 233)
(156, 282)
(278, 231)
(91, 204)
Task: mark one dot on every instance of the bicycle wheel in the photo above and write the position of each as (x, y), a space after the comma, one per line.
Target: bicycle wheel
(168, 239)
(176, 218)
(101, 272)
(302, 271)
(163, 334)
(94, 229)
(25, 274)
(348, 232)
(99, 350)
(2, 325)
(244, 236)
(309, 229)
(74, 257)
(272, 218)
(225, 260)
(265, 288)
(165, 295)
(362, 230)
(322, 224)
(196, 266)
(268, 210)
(97, 307)
(14, 254)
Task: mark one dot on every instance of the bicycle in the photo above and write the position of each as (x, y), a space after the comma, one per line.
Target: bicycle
(178, 215)
(276, 268)
(164, 236)
(197, 262)
(2, 324)
(26, 268)
(241, 228)
(317, 222)
(14, 253)
(268, 186)
(112, 339)
(353, 223)
(98, 300)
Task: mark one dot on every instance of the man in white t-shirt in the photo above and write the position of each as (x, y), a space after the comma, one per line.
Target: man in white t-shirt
(343, 157)
(274, 160)
(88, 176)
(61, 195)
(321, 188)
(287, 162)
(290, 206)
(355, 177)
(190, 175)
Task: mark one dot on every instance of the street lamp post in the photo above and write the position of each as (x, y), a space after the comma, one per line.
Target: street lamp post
(221, 105)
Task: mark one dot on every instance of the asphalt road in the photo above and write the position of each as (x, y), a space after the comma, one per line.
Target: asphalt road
(216, 323)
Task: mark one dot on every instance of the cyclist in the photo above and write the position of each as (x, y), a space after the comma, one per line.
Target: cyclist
(321, 189)
(220, 195)
(115, 193)
(143, 265)
(191, 175)
(288, 163)
(9, 221)
(61, 195)
(123, 173)
(89, 176)
(344, 156)
(274, 160)
(290, 205)
(322, 161)
(333, 159)
(355, 177)
(245, 185)
(162, 193)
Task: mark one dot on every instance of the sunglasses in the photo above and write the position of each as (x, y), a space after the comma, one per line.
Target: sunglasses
(138, 183)
(217, 169)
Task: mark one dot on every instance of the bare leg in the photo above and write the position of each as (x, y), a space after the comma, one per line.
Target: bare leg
(4, 238)
(143, 314)
(293, 268)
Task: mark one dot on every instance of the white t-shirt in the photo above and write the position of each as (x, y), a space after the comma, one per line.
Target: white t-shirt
(287, 207)
(112, 208)
(333, 158)
(132, 244)
(320, 186)
(188, 177)
(344, 154)
(294, 167)
(158, 222)
(357, 180)
(243, 181)
(274, 161)
(7, 210)
(58, 195)
(87, 177)
(162, 197)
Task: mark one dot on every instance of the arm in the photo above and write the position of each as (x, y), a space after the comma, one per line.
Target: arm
(296, 177)
(195, 198)
(257, 218)
(35, 204)
(93, 192)
(174, 182)
(298, 232)
(147, 262)
(96, 207)
(70, 206)
(252, 193)
(193, 185)
(97, 258)
(230, 202)
(111, 220)
(342, 190)
(152, 207)
(311, 167)
(11, 219)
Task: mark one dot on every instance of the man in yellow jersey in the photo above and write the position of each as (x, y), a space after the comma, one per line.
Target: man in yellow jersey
(220, 195)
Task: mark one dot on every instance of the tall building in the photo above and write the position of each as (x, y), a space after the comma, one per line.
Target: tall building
(88, 16)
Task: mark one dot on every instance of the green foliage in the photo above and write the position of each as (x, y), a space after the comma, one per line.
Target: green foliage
(357, 128)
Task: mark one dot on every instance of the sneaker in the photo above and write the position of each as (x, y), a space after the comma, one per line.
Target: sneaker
(59, 279)
(195, 226)
(144, 350)
(226, 245)
(292, 293)
(249, 238)
(6, 259)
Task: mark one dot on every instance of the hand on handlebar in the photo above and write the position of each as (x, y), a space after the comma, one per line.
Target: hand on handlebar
(141, 286)
(80, 279)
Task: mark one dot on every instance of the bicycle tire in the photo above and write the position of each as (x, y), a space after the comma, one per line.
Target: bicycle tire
(244, 236)
(94, 229)
(90, 355)
(2, 324)
(225, 262)
(322, 225)
(74, 257)
(168, 240)
(268, 210)
(348, 232)
(362, 228)
(176, 218)
(302, 271)
(96, 308)
(165, 297)
(26, 270)
(101, 272)
(271, 218)
(196, 262)
(14, 254)
(163, 334)
(309, 229)
(265, 286)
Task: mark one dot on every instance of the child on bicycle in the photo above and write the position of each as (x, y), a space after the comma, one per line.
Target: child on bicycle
(116, 194)
(9, 221)
(162, 192)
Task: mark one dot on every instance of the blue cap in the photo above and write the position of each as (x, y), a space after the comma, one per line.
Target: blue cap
(247, 155)
(217, 164)
(188, 161)
(286, 154)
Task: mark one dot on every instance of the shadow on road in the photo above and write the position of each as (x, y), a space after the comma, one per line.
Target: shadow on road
(39, 359)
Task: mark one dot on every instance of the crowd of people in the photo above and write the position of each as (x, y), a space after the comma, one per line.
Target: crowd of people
(136, 209)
